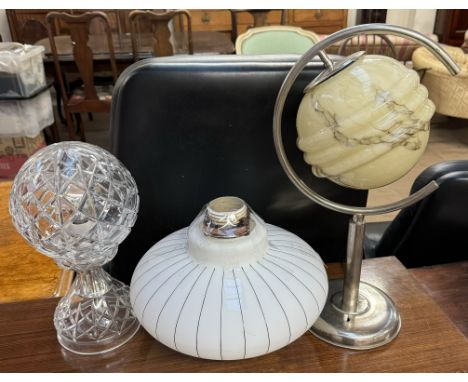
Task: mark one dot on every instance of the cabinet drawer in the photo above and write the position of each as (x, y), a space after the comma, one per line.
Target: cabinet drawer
(323, 29)
(317, 20)
(318, 16)
(210, 19)
(273, 18)
(206, 19)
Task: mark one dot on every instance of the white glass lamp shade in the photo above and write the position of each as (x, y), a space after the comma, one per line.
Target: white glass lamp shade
(367, 125)
(228, 289)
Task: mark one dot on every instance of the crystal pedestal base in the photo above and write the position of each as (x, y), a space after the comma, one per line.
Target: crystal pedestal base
(95, 316)
(375, 323)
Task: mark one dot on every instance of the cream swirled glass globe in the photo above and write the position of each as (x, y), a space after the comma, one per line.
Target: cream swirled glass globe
(367, 125)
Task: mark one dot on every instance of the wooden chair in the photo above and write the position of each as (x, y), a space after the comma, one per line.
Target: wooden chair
(371, 44)
(87, 100)
(160, 30)
(259, 18)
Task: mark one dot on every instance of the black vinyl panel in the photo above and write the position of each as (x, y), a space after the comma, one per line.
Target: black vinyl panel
(191, 129)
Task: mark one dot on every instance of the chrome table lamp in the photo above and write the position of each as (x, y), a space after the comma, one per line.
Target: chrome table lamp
(363, 123)
(75, 203)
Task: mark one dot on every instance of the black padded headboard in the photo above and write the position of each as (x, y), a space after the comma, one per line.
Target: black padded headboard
(192, 128)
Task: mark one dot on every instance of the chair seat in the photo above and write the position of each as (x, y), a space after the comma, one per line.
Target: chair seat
(449, 93)
(77, 103)
(104, 94)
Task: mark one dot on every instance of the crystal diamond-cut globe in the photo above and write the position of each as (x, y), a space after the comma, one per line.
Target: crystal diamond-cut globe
(75, 203)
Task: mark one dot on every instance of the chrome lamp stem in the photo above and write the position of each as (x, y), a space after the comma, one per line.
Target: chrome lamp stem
(353, 263)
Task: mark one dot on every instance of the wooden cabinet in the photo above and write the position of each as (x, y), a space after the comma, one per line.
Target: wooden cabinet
(323, 21)
(28, 25)
(450, 26)
(211, 20)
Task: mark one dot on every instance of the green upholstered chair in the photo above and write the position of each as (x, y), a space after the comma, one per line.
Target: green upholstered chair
(276, 39)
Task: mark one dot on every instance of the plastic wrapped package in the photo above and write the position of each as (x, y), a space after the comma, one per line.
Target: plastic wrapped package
(21, 69)
(26, 117)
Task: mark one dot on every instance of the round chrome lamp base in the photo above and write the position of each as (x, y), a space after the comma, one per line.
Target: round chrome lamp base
(375, 323)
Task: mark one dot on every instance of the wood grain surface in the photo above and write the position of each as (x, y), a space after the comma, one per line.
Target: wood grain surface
(428, 341)
(447, 284)
(203, 43)
(25, 274)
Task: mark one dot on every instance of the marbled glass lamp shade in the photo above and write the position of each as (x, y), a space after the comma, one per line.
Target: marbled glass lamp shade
(363, 123)
(366, 126)
(75, 203)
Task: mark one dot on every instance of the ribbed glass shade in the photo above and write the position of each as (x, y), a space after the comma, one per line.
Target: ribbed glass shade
(229, 297)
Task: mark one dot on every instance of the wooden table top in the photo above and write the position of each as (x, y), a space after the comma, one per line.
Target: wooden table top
(428, 341)
(447, 284)
(204, 42)
(25, 274)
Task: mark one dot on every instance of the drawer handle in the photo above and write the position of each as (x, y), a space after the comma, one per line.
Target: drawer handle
(205, 18)
(318, 14)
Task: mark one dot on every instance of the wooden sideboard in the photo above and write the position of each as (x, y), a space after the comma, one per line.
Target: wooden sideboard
(28, 25)
(323, 21)
(450, 26)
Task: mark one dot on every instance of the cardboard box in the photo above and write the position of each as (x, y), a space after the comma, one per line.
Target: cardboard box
(15, 151)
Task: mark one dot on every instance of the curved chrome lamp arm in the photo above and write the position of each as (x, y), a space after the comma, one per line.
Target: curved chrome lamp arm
(318, 49)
